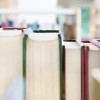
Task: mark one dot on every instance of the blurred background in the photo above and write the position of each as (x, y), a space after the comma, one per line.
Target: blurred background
(76, 19)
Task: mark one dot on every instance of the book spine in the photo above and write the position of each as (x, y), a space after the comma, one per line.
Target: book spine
(24, 64)
(82, 72)
(86, 92)
(64, 76)
(61, 64)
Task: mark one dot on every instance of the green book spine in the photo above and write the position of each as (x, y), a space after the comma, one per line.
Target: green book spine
(60, 63)
(24, 64)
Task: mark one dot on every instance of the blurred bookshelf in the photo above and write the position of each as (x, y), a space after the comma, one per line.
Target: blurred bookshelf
(95, 18)
(68, 20)
(68, 16)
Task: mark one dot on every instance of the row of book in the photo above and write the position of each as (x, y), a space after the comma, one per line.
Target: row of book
(40, 66)
(82, 69)
(30, 65)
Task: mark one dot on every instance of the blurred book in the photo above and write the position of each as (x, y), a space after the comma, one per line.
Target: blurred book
(69, 27)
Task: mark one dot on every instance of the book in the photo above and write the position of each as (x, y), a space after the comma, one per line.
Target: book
(10, 65)
(43, 67)
(93, 63)
(74, 65)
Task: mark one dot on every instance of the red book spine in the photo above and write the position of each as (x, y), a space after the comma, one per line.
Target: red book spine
(86, 74)
(82, 72)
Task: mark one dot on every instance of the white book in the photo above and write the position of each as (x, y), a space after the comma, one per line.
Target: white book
(42, 67)
(10, 64)
(72, 70)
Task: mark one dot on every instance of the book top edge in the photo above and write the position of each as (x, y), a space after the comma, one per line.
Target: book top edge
(8, 33)
(71, 45)
(43, 37)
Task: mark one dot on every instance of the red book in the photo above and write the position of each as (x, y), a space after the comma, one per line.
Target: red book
(92, 61)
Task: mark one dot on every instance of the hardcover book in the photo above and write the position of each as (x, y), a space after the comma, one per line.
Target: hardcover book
(43, 68)
(93, 63)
